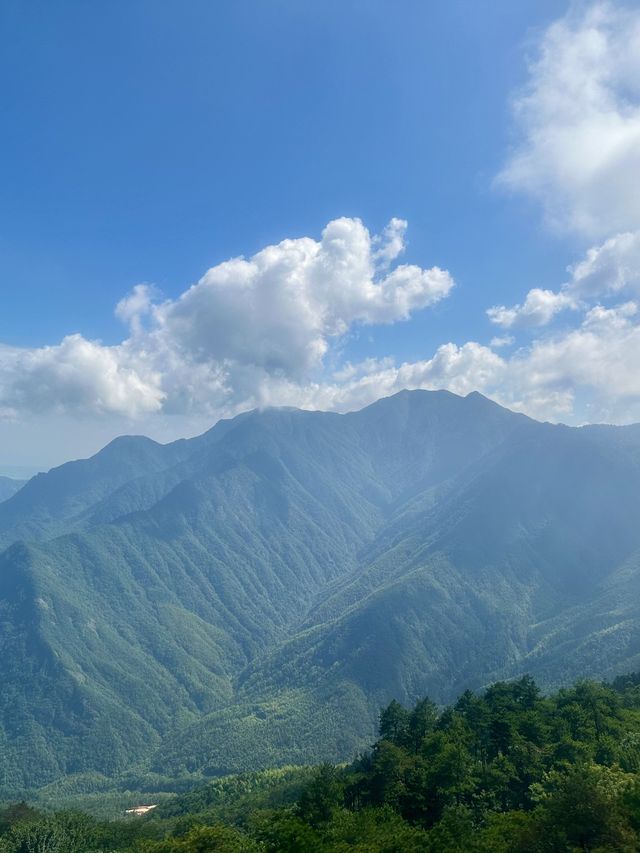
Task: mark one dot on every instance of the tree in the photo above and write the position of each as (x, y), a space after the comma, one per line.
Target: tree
(422, 721)
(394, 723)
(17, 813)
(64, 832)
(203, 839)
(321, 797)
(583, 809)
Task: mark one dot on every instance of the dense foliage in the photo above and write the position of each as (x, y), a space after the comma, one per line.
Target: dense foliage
(508, 771)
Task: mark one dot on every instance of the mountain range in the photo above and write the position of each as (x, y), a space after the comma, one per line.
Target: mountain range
(254, 595)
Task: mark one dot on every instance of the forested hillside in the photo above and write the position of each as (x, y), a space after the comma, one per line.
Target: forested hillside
(252, 597)
(505, 771)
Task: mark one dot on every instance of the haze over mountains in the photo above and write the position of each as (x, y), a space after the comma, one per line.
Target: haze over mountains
(9, 486)
(252, 596)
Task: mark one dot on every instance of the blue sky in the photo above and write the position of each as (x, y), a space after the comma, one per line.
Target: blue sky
(145, 143)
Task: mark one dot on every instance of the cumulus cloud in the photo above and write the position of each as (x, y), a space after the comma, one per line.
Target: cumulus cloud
(538, 309)
(578, 154)
(599, 361)
(609, 270)
(78, 375)
(249, 331)
(257, 331)
(578, 122)
(280, 309)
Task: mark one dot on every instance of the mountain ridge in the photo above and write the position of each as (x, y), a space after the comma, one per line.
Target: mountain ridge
(9, 486)
(222, 601)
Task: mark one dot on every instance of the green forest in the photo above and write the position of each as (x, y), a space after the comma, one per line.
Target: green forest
(509, 769)
(251, 597)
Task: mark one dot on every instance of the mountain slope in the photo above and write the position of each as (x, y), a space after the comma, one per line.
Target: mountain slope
(239, 598)
(9, 487)
(530, 562)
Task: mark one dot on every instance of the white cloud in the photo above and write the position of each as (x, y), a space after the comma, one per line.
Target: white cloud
(77, 375)
(599, 361)
(391, 243)
(587, 374)
(578, 122)
(460, 369)
(248, 331)
(611, 268)
(608, 270)
(280, 310)
(590, 373)
(136, 305)
(578, 154)
(502, 341)
(538, 309)
(257, 331)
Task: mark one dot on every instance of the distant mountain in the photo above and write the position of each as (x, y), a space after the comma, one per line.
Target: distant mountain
(9, 486)
(254, 595)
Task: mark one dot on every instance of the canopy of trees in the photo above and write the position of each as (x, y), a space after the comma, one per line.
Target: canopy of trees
(509, 770)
